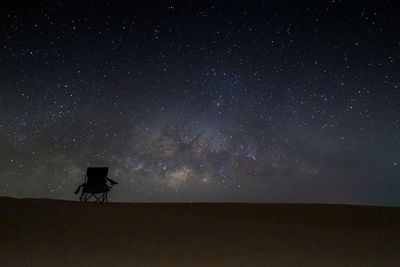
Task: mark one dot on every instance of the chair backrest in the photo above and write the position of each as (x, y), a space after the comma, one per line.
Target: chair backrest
(96, 178)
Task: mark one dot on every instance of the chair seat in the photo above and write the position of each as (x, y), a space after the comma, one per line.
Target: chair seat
(97, 190)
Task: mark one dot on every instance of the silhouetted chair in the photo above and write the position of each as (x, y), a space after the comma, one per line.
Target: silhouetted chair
(95, 185)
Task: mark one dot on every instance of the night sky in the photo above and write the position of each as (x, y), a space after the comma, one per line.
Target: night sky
(272, 101)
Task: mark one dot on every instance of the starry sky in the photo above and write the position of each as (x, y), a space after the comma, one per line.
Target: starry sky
(236, 101)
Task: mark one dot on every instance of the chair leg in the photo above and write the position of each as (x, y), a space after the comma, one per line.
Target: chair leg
(89, 197)
(97, 198)
(103, 198)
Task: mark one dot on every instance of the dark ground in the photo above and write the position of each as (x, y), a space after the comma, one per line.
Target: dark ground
(61, 233)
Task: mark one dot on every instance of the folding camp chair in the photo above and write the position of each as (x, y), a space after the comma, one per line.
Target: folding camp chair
(95, 186)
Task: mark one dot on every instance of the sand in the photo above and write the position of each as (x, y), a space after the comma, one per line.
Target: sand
(42, 232)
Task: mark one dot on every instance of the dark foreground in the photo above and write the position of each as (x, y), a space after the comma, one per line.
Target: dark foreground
(61, 233)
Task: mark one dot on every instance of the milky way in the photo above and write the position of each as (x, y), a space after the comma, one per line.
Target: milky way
(201, 101)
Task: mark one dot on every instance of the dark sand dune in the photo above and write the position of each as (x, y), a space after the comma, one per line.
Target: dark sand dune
(61, 233)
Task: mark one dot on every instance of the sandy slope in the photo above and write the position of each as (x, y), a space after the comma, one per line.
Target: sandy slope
(61, 233)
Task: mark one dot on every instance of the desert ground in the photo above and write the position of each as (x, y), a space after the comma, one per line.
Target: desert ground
(42, 232)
